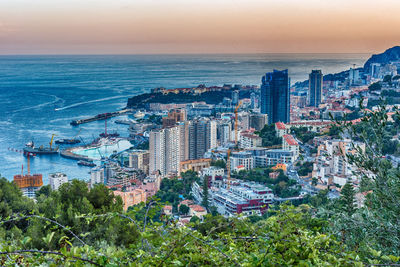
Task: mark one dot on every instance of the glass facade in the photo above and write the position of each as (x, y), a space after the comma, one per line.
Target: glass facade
(275, 96)
(315, 88)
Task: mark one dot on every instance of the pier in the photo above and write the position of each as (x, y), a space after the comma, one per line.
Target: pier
(102, 116)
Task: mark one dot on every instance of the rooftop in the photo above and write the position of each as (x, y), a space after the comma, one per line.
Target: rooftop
(280, 126)
(290, 140)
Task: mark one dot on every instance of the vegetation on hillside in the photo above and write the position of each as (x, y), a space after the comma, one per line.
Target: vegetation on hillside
(268, 135)
(75, 226)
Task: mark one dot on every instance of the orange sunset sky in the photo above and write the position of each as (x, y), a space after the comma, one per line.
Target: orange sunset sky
(194, 26)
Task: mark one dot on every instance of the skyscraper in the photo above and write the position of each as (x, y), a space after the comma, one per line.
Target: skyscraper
(165, 150)
(235, 98)
(275, 96)
(315, 88)
(201, 137)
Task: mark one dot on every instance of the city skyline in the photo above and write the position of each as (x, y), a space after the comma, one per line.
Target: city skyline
(198, 27)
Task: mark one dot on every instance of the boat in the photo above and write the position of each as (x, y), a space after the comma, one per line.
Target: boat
(30, 148)
(139, 115)
(40, 150)
(109, 135)
(67, 141)
(86, 163)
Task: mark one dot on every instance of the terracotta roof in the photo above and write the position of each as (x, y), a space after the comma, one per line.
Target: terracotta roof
(168, 207)
(280, 126)
(197, 208)
(290, 140)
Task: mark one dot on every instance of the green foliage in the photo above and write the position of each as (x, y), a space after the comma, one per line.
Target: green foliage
(183, 209)
(204, 203)
(170, 189)
(375, 87)
(44, 190)
(387, 79)
(303, 134)
(334, 131)
(305, 168)
(143, 146)
(347, 198)
(268, 135)
(372, 229)
(219, 163)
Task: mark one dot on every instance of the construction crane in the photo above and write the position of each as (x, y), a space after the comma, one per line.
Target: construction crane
(51, 141)
(236, 122)
(28, 155)
(228, 160)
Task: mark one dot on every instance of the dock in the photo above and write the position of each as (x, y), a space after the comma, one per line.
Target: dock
(102, 116)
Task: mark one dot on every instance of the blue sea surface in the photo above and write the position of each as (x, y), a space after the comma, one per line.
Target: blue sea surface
(33, 87)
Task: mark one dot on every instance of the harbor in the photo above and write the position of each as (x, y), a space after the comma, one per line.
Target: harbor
(103, 116)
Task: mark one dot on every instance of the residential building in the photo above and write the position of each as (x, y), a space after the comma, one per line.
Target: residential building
(139, 160)
(247, 198)
(29, 184)
(224, 132)
(131, 198)
(197, 210)
(194, 165)
(201, 136)
(258, 121)
(331, 165)
(174, 116)
(290, 144)
(315, 82)
(280, 129)
(235, 97)
(165, 150)
(57, 179)
(97, 176)
(241, 158)
(213, 172)
(249, 140)
(275, 96)
(253, 100)
(273, 157)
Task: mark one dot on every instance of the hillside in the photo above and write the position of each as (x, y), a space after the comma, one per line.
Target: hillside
(213, 97)
(391, 54)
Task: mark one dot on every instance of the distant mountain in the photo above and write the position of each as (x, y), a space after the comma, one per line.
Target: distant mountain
(392, 54)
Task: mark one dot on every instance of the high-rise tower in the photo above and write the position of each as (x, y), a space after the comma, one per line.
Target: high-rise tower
(315, 88)
(275, 96)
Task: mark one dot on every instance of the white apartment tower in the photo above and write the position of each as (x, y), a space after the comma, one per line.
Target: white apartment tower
(57, 179)
(165, 150)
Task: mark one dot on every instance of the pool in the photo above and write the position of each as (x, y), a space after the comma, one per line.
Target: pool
(104, 150)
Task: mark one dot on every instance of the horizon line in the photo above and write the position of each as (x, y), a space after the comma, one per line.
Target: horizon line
(183, 54)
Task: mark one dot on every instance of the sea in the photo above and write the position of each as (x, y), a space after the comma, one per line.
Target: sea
(41, 94)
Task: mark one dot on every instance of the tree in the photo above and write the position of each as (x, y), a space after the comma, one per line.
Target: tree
(268, 135)
(347, 198)
(183, 209)
(44, 190)
(375, 87)
(314, 181)
(219, 163)
(204, 203)
(387, 79)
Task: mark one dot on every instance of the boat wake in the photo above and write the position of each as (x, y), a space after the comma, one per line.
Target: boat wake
(91, 101)
(56, 100)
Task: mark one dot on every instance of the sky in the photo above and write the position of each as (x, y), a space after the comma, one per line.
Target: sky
(198, 26)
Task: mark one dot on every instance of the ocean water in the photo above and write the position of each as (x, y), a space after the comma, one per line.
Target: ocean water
(33, 87)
